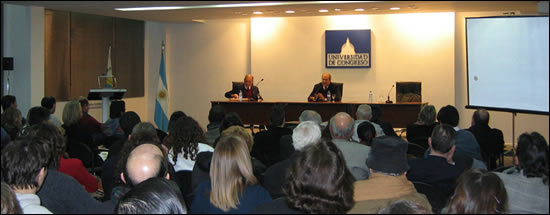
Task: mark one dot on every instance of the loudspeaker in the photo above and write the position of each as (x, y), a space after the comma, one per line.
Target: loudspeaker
(7, 63)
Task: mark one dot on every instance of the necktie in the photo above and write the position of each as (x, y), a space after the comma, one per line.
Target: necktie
(248, 93)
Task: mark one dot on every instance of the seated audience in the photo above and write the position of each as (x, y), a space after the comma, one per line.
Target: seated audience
(341, 130)
(49, 103)
(420, 130)
(404, 207)
(155, 195)
(366, 133)
(12, 122)
(230, 119)
(267, 143)
(186, 140)
(439, 168)
(466, 143)
(127, 122)
(5, 138)
(171, 125)
(88, 121)
(490, 140)
(527, 182)
(364, 114)
(232, 187)
(144, 162)
(386, 126)
(37, 115)
(387, 182)
(24, 168)
(318, 181)
(478, 192)
(8, 101)
(112, 126)
(306, 133)
(287, 148)
(10, 204)
(215, 118)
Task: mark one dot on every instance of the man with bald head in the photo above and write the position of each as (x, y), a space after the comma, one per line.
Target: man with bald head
(355, 154)
(320, 90)
(490, 140)
(144, 162)
(248, 90)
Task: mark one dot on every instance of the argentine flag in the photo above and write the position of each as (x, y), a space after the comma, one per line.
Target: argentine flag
(161, 104)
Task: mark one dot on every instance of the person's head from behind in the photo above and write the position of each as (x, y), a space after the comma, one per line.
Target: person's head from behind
(306, 133)
(364, 112)
(116, 109)
(144, 129)
(230, 119)
(8, 101)
(443, 139)
(427, 115)
(173, 119)
(128, 120)
(480, 117)
(404, 207)
(478, 192)
(241, 132)
(318, 181)
(153, 196)
(72, 113)
(532, 155)
(37, 115)
(185, 138)
(366, 132)
(49, 103)
(326, 78)
(277, 116)
(310, 115)
(376, 112)
(84, 104)
(216, 114)
(24, 164)
(230, 172)
(388, 156)
(12, 118)
(341, 126)
(248, 80)
(10, 204)
(53, 138)
(448, 115)
(144, 162)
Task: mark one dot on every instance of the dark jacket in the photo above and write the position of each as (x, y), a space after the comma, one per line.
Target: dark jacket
(266, 146)
(491, 143)
(274, 176)
(436, 171)
(318, 88)
(240, 87)
(277, 206)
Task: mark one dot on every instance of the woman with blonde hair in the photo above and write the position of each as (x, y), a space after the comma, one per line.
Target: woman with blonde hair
(232, 187)
(79, 140)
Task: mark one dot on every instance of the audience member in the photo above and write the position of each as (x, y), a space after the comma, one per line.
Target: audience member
(306, 133)
(215, 118)
(386, 126)
(419, 131)
(155, 195)
(478, 192)
(12, 122)
(230, 119)
(80, 142)
(233, 187)
(144, 162)
(466, 143)
(366, 132)
(112, 126)
(128, 121)
(490, 140)
(527, 182)
(88, 121)
(49, 103)
(24, 167)
(8, 101)
(364, 114)
(285, 143)
(10, 204)
(318, 181)
(186, 140)
(37, 115)
(267, 143)
(439, 168)
(387, 182)
(404, 207)
(5, 138)
(173, 119)
(341, 130)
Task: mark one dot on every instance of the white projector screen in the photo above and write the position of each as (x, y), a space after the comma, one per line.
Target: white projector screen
(507, 61)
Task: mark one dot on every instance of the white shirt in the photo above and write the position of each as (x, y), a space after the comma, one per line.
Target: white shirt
(30, 203)
(187, 164)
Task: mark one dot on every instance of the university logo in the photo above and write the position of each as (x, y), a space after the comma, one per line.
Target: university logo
(347, 49)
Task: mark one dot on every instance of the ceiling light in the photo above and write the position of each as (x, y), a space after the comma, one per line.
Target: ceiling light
(359, 9)
(337, 9)
(289, 11)
(323, 10)
(237, 5)
(375, 8)
(395, 8)
(258, 12)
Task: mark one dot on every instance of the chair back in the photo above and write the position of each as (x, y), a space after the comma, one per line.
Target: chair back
(436, 198)
(415, 150)
(408, 91)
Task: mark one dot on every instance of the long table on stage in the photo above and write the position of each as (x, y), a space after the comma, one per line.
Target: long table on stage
(251, 112)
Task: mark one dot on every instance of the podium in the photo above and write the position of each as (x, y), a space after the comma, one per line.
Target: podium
(105, 95)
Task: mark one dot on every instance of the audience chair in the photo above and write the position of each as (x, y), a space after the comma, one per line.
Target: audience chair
(436, 198)
(415, 150)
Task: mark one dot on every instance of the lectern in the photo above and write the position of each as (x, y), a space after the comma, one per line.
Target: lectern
(105, 95)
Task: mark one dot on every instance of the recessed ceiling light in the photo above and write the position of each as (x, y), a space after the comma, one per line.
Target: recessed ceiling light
(323, 10)
(258, 12)
(261, 4)
(395, 8)
(375, 8)
(359, 9)
(337, 9)
(289, 11)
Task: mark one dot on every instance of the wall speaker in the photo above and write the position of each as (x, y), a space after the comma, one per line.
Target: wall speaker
(7, 63)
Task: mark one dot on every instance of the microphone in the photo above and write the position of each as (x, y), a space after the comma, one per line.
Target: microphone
(389, 101)
(259, 82)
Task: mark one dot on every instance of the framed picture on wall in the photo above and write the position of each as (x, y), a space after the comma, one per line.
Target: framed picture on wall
(348, 49)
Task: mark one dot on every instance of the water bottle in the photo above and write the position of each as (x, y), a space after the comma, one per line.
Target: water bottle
(240, 95)
(329, 97)
(370, 96)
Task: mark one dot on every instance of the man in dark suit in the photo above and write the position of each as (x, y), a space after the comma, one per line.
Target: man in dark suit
(248, 90)
(320, 90)
(490, 140)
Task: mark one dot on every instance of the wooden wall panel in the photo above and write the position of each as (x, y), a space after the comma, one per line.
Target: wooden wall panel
(90, 39)
(128, 56)
(57, 54)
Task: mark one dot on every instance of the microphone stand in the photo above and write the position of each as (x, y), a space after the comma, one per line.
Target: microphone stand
(389, 101)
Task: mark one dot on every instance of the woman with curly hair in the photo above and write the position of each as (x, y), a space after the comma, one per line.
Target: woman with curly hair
(317, 182)
(186, 140)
